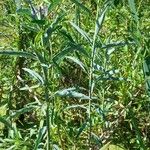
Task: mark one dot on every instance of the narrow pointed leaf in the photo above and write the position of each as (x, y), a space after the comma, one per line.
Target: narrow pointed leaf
(78, 3)
(81, 129)
(75, 60)
(54, 4)
(70, 92)
(133, 10)
(62, 54)
(5, 122)
(100, 20)
(69, 49)
(22, 111)
(117, 44)
(41, 133)
(17, 53)
(24, 12)
(35, 75)
(83, 33)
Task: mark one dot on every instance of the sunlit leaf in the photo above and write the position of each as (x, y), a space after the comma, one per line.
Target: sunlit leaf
(34, 74)
(75, 60)
(71, 92)
(109, 146)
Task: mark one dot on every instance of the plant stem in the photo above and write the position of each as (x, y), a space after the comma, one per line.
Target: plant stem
(91, 88)
(48, 126)
(47, 110)
(91, 78)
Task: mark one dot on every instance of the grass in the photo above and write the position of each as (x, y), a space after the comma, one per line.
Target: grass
(71, 75)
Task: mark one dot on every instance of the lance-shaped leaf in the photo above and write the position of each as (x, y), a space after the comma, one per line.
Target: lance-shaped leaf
(83, 33)
(117, 44)
(17, 113)
(99, 21)
(71, 92)
(26, 12)
(17, 53)
(77, 61)
(54, 4)
(77, 2)
(70, 48)
(76, 106)
(35, 75)
(41, 133)
(133, 10)
(146, 71)
(5, 122)
(81, 129)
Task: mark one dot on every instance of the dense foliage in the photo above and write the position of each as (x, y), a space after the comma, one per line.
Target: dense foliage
(71, 74)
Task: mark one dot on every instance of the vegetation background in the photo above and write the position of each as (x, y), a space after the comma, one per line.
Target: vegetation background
(73, 74)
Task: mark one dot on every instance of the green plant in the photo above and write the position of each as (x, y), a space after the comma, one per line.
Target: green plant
(74, 80)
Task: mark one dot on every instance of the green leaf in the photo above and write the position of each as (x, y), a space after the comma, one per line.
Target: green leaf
(75, 106)
(133, 10)
(81, 6)
(5, 122)
(22, 111)
(24, 12)
(83, 33)
(54, 4)
(67, 35)
(81, 129)
(17, 53)
(41, 133)
(110, 50)
(117, 44)
(38, 38)
(146, 71)
(30, 88)
(62, 54)
(70, 92)
(79, 48)
(100, 20)
(75, 60)
(35, 75)
(69, 49)
(53, 27)
(109, 146)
